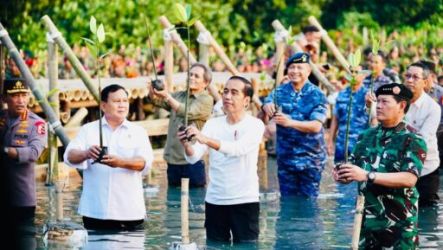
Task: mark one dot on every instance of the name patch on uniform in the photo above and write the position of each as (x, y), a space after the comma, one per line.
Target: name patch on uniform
(41, 128)
(21, 136)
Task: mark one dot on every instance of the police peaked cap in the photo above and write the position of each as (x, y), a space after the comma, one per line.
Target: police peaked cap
(12, 86)
(395, 89)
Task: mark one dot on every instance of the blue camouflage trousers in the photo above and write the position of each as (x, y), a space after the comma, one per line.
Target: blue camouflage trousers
(295, 181)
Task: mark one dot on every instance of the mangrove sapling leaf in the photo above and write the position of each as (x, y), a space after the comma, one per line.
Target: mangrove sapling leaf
(93, 25)
(101, 33)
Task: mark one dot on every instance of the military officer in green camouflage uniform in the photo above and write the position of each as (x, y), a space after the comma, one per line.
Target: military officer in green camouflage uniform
(386, 162)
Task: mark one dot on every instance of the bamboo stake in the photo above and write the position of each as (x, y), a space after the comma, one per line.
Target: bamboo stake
(77, 118)
(176, 38)
(78, 67)
(54, 99)
(328, 41)
(184, 210)
(280, 46)
(169, 64)
(201, 28)
(203, 53)
(358, 218)
(315, 70)
(30, 81)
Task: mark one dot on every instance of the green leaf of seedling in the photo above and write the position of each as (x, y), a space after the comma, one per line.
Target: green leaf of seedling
(351, 59)
(188, 12)
(93, 25)
(180, 13)
(242, 45)
(290, 31)
(192, 21)
(88, 40)
(348, 77)
(101, 33)
(357, 57)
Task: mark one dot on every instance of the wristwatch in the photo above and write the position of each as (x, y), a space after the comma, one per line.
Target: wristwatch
(371, 177)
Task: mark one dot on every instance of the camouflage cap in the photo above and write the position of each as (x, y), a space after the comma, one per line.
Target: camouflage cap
(12, 86)
(395, 89)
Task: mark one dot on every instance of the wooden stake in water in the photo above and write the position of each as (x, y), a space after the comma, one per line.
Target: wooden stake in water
(358, 219)
(184, 210)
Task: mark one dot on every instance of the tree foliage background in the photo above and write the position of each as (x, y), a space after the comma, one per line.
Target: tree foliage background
(230, 21)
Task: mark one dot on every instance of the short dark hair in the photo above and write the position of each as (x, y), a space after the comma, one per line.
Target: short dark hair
(207, 75)
(381, 54)
(430, 65)
(426, 70)
(247, 89)
(309, 28)
(399, 99)
(110, 89)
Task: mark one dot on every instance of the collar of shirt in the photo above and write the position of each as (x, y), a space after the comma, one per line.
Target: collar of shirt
(105, 123)
(419, 102)
(196, 95)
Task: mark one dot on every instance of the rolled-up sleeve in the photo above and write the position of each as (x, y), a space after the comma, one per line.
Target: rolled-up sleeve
(36, 144)
(79, 143)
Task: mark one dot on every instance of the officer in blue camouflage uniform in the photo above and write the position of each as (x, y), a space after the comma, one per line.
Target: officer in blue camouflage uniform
(359, 119)
(387, 162)
(22, 140)
(299, 109)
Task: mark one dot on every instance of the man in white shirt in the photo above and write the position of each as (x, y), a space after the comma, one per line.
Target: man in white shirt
(424, 115)
(112, 196)
(232, 197)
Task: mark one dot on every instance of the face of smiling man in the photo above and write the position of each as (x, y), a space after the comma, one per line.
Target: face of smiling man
(116, 107)
(298, 73)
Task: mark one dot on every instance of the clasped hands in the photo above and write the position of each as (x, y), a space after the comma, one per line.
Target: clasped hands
(279, 117)
(111, 160)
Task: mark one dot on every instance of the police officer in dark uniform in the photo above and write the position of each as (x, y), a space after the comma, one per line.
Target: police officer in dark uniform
(22, 140)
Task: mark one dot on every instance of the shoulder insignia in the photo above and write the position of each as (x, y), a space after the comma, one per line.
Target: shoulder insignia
(40, 127)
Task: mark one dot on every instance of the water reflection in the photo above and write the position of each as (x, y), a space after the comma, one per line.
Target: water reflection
(286, 223)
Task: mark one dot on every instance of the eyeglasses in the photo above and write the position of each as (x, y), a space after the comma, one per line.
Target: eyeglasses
(413, 77)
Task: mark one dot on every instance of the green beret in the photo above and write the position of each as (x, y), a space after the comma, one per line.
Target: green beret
(395, 89)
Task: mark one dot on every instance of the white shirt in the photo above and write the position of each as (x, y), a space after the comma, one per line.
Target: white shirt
(233, 175)
(112, 193)
(424, 115)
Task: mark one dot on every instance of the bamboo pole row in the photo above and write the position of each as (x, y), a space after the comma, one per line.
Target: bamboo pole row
(76, 64)
(30, 81)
